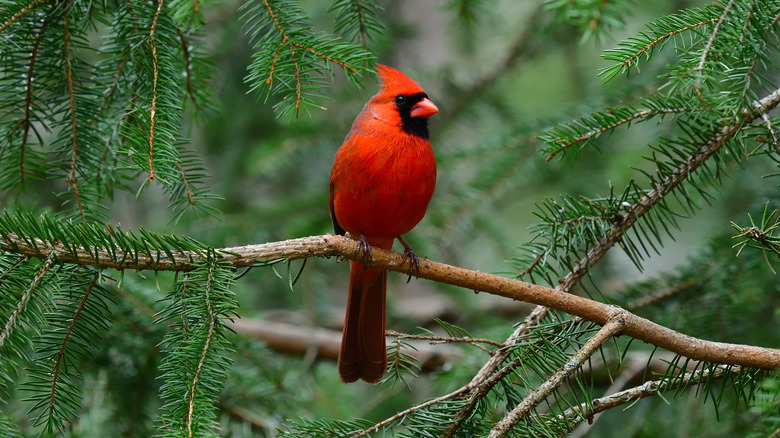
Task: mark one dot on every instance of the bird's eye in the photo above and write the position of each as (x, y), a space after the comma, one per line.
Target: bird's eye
(400, 99)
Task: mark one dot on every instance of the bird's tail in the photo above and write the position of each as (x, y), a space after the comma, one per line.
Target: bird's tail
(363, 353)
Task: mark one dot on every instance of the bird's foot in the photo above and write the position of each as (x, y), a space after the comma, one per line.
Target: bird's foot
(363, 246)
(411, 257)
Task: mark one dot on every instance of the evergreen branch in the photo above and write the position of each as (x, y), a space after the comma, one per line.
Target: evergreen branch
(662, 188)
(325, 57)
(212, 320)
(587, 410)
(114, 85)
(293, 60)
(19, 14)
(61, 353)
(330, 245)
(630, 51)
(73, 121)
(275, 21)
(362, 25)
(592, 18)
(36, 281)
(357, 19)
(612, 328)
(196, 346)
(480, 387)
(491, 186)
(155, 75)
(567, 143)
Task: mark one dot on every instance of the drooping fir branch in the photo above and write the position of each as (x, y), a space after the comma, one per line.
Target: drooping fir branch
(71, 178)
(73, 329)
(357, 20)
(199, 310)
(291, 59)
(97, 125)
(24, 299)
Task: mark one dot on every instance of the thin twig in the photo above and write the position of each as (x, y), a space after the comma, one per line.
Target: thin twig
(19, 14)
(155, 76)
(341, 64)
(186, 183)
(411, 410)
(448, 340)
(584, 411)
(362, 25)
(20, 306)
(707, 47)
(655, 297)
(27, 122)
(185, 49)
(65, 339)
(212, 320)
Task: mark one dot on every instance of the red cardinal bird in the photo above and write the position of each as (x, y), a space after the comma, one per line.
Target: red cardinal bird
(382, 180)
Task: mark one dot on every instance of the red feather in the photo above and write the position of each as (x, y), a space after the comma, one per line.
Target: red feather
(382, 181)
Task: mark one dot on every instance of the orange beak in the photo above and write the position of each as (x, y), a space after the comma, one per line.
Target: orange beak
(424, 108)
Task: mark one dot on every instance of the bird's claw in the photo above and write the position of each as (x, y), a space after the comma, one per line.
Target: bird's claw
(363, 246)
(414, 262)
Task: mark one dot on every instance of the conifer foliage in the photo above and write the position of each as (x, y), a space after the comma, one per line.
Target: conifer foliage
(96, 98)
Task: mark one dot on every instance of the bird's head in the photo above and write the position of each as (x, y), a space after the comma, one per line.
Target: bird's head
(403, 101)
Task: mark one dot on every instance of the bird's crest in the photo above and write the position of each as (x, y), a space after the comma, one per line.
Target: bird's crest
(395, 81)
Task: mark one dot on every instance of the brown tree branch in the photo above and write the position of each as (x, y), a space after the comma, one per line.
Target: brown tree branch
(302, 340)
(330, 245)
